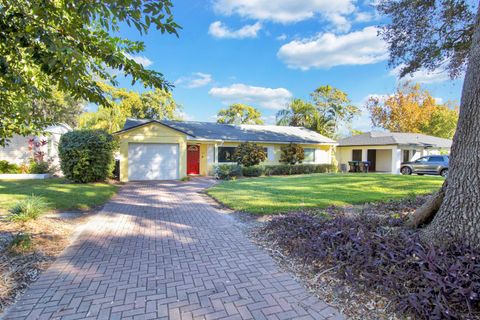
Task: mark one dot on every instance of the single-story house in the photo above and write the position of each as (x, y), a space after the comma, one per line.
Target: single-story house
(387, 150)
(21, 149)
(165, 149)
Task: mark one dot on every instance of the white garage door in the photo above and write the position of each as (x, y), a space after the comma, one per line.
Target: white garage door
(152, 161)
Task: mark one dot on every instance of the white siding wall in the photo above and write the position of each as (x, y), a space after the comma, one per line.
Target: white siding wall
(16, 151)
(384, 160)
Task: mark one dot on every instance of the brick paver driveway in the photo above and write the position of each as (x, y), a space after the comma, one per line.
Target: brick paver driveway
(159, 250)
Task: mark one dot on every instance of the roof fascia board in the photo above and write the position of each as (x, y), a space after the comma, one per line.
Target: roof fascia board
(261, 141)
(150, 122)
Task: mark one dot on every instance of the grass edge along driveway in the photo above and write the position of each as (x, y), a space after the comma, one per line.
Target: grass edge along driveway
(60, 194)
(280, 194)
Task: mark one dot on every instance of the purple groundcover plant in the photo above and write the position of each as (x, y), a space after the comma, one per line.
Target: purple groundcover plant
(425, 281)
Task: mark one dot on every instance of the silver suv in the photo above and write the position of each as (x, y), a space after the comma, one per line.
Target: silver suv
(436, 164)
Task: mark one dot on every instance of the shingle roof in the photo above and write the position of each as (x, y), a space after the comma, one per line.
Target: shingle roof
(227, 132)
(388, 138)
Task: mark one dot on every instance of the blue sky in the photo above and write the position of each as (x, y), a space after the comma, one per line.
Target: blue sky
(263, 53)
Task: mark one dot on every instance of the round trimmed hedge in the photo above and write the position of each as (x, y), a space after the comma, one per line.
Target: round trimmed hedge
(87, 155)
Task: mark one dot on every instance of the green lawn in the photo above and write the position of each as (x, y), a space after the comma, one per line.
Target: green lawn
(60, 194)
(286, 193)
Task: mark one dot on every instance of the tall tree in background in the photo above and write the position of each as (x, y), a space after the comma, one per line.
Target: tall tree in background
(68, 45)
(432, 34)
(60, 107)
(334, 104)
(412, 109)
(122, 104)
(442, 122)
(239, 113)
(301, 113)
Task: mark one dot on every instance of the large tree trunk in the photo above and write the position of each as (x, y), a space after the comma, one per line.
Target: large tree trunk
(459, 214)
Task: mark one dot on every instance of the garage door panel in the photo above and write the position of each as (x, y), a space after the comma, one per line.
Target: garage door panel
(152, 161)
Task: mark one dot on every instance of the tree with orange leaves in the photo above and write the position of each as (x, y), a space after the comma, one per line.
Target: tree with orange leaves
(412, 109)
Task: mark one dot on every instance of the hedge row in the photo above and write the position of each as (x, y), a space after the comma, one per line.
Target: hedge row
(33, 167)
(231, 171)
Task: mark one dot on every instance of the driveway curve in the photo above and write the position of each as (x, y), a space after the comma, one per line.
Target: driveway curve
(159, 250)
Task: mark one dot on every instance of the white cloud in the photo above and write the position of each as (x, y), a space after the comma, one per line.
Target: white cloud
(196, 80)
(327, 50)
(363, 16)
(438, 100)
(270, 119)
(340, 22)
(271, 98)
(282, 37)
(220, 30)
(144, 61)
(422, 76)
(185, 116)
(285, 11)
(380, 97)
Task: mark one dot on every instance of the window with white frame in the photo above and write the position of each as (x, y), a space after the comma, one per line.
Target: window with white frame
(270, 153)
(309, 154)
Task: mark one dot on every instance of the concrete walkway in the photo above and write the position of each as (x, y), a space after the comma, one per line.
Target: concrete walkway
(158, 250)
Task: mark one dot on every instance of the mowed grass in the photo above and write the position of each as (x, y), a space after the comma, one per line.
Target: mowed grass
(279, 194)
(60, 194)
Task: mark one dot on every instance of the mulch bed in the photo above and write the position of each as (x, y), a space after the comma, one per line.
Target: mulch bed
(353, 301)
(19, 267)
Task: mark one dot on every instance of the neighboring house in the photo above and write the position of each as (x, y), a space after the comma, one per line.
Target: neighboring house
(387, 150)
(21, 149)
(160, 150)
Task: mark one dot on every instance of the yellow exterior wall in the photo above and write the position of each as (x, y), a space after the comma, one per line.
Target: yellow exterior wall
(157, 133)
(203, 159)
(152, 133)
(206, 168)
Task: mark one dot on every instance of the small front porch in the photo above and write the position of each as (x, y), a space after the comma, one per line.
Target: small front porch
(383, 159)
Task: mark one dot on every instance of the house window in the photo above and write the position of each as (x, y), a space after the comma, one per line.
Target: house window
(225, 154)
(406, 155)
(309, 155)
(356, 155)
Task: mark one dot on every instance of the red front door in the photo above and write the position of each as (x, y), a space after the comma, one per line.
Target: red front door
(193, 159)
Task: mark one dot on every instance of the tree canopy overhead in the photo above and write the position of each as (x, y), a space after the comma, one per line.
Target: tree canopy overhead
(429, 34)
(70, 45)
(239, 113)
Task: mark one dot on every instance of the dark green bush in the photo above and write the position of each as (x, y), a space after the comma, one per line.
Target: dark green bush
(253, 171)
(6, 167)
(87, 155)
(292, 154)
(249, 154)
(287, 169)
(39, 167)
(227, 171)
